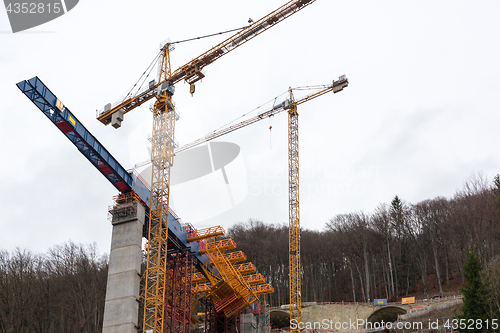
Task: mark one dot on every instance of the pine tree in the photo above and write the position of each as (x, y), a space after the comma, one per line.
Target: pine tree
(474, 291)
(496, 191)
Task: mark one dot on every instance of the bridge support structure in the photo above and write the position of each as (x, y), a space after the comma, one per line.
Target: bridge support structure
(121, 309)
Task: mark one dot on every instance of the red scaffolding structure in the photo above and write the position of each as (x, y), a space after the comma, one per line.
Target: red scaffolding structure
(217, 322)
(178, 292)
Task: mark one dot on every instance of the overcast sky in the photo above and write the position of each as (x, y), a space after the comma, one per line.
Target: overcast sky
(419, 117)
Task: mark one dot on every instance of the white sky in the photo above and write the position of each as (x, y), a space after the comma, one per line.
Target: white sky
(419, 117)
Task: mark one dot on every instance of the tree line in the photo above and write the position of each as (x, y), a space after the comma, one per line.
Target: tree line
(398, 249)
(60, 291)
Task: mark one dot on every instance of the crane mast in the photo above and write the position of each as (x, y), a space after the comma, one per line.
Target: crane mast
(162, 155)
(294, 214)
(293, 182)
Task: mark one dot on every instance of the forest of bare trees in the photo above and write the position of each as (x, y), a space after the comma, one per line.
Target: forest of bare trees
(398, 249)
(61, 291)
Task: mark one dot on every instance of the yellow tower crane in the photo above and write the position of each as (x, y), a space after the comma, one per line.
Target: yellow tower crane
(293, 181)
(162, 148)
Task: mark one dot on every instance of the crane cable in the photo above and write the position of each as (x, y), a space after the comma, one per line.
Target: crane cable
(129, 93)
(322, 86)
(271, 127)
(157, 57)
(248, 113)
(150, 67)
(319, 86)
(211, 35)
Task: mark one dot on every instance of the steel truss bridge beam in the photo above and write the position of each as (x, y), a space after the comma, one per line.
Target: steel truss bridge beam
(123, 180)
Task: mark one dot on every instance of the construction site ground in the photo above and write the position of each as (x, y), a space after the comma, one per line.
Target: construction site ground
(433, 309)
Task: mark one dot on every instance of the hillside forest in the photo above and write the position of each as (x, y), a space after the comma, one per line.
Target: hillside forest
(399, 249)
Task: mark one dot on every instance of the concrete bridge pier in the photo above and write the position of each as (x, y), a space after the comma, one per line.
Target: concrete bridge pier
(121, 309)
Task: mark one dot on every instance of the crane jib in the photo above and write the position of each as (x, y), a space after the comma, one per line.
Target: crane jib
(335, 87)
(191, 72)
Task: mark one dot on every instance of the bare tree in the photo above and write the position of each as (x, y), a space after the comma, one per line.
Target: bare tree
(61, 292)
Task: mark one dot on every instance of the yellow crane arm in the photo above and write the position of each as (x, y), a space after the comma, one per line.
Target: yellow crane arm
(336, 86)
(192, 71)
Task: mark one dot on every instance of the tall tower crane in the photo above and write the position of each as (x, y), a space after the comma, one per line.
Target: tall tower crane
(289, 105)
(162, 148)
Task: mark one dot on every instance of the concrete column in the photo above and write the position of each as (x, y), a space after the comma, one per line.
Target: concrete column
(121, 309)
(248, 323)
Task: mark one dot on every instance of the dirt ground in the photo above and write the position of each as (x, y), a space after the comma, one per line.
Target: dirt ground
(434, 315)
(437, 315)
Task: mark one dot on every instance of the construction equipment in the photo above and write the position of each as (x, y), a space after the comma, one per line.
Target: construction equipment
(129, 182)
(183, 240)
(162, 148)
(293, 181)
(191, 72)
(334, 87)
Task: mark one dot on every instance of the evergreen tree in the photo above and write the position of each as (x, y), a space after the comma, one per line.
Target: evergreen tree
(496, 190)
(491, 278)
(475, 295)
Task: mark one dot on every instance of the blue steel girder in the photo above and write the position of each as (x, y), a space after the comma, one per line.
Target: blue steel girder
(73, 129)
(95, 152)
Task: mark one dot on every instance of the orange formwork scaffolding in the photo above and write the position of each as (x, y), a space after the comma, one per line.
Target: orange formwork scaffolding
(246, 268)
(254, 279)
(232, 293)
(199, 234)
(223, 245)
